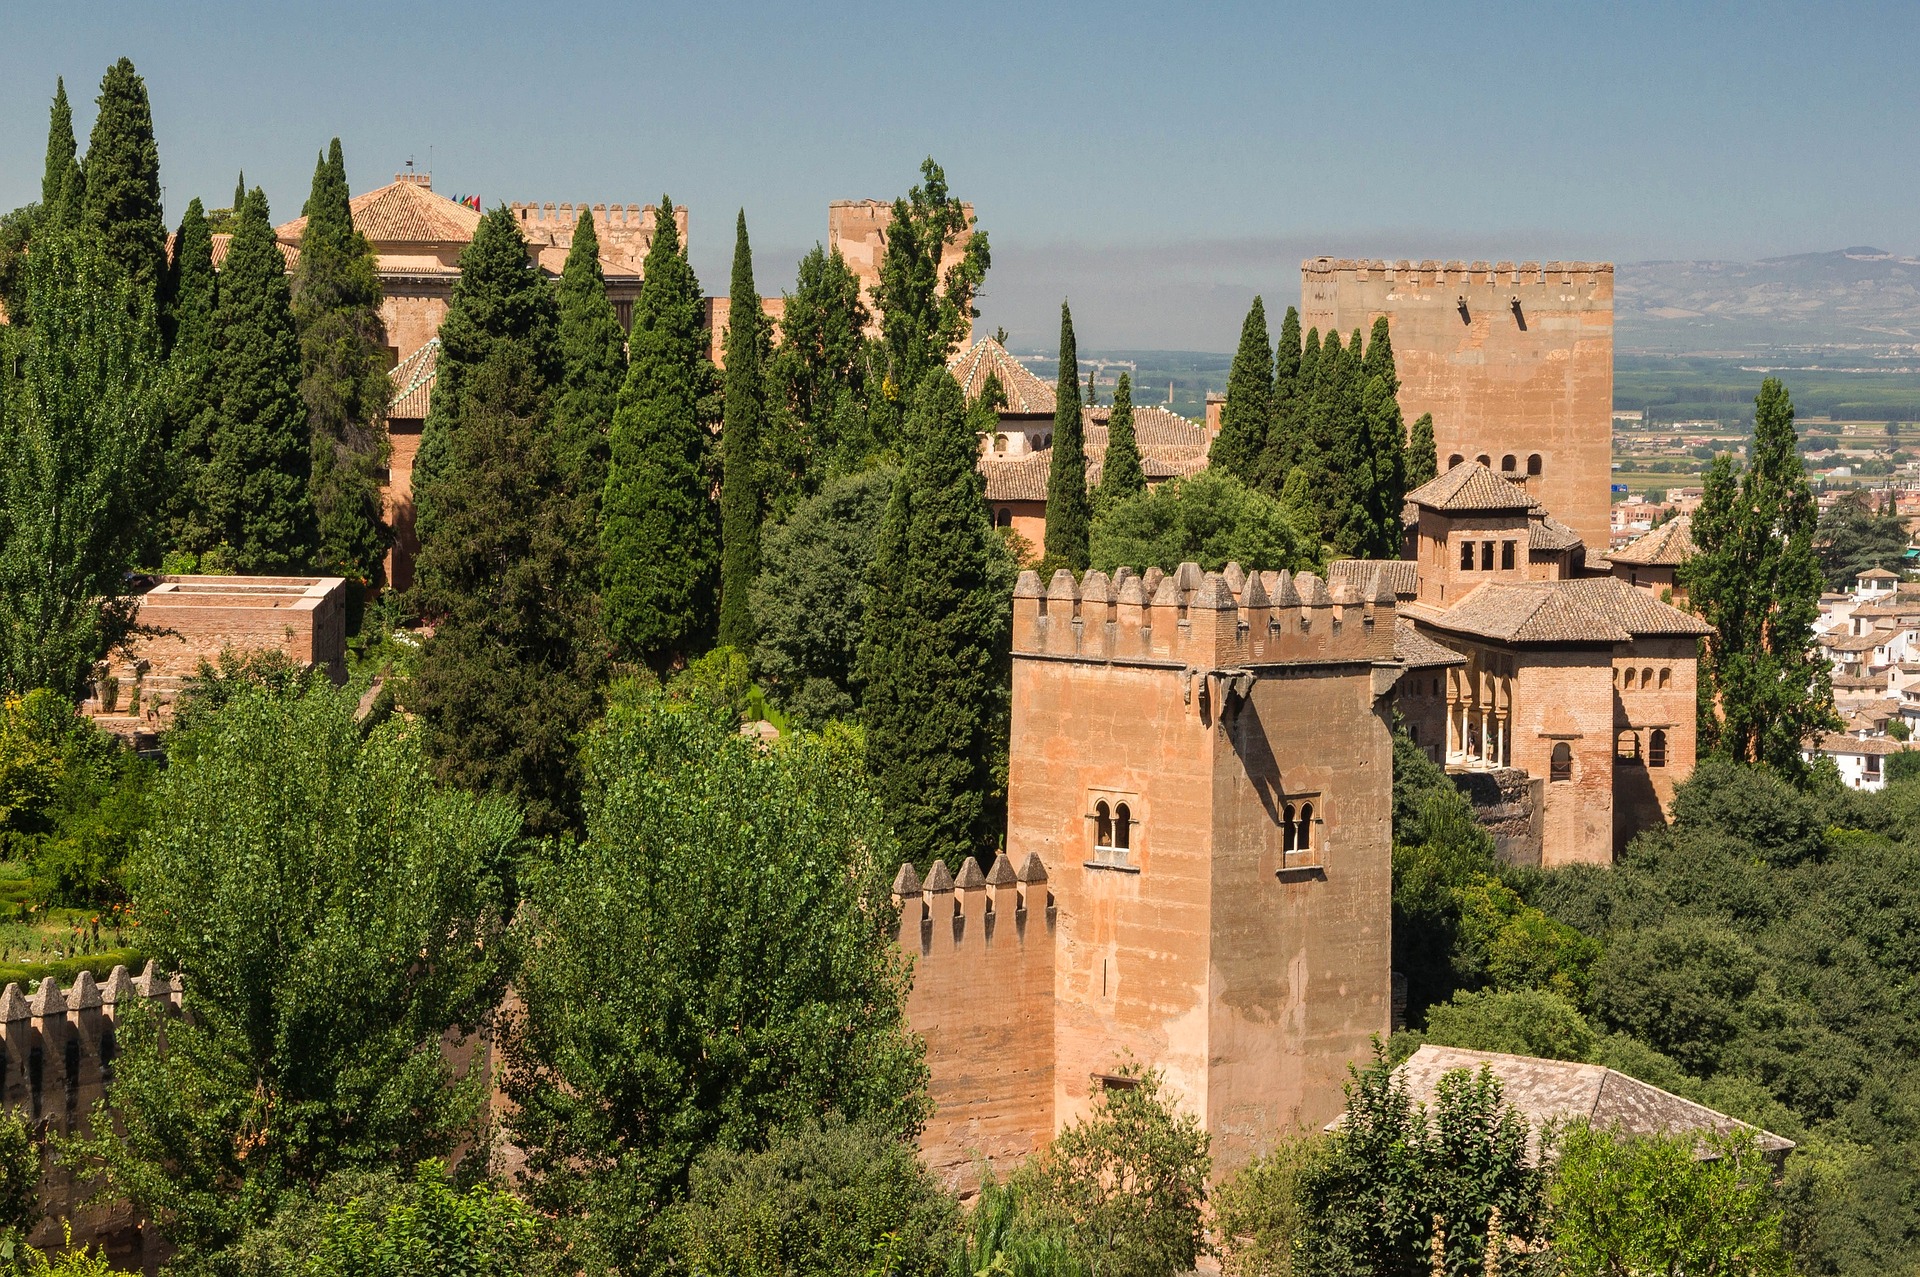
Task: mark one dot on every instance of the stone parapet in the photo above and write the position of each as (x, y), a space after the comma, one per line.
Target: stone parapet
(1433, 272)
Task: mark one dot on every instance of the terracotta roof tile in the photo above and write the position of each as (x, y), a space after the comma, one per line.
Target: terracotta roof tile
(1865, 746)
(1403, 575)
(1471, 486)
(1584, 610)
(413, 379)
(1171, 447)
(1025, 391)
(1416, 651)
(1668, 545)
(1019, 479)
(1549, 535)
(401, 212)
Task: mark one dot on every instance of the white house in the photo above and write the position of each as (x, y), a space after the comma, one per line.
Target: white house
(1861, 760)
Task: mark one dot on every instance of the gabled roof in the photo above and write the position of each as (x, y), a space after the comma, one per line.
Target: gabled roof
(1877, 574)
(1020, 478)
(1557, 1091)
(401, 213)
(1471, 486)
(1864, 746)
(1364, 575)
(1416, 651)
(1171, 447)
(1584, 610)
(412, 380)
(1548, 535)
(1025, 392)
(1668, 545)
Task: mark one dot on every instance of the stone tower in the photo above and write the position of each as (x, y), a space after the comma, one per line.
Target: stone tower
(1514, 363)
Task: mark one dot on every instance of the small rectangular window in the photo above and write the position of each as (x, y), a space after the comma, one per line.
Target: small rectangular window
(1466, 556)
(1486, 556)
(1506, 556)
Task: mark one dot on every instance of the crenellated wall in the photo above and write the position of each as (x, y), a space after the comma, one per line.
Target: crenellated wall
(982, 952)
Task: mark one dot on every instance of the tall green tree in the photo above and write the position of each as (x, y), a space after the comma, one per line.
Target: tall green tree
(79, 431)
(516, 660)
(741, 506)
(1854, 535)
(1120, 473)
(253, 491)
(1423, 454)
(1248, 412)
(593, 363)
(659, 538)
(340, 914)
(934, 661)
(499, 298)
(343, 377)
(1379, 475)
(1068, 511)
(1210, 518)
(1379, 358)
(121, 207)
(925, 314)
(712, 963)
(63, 186)
(817, 411)
(1280, 453)
(1756, 579)
(192, 399)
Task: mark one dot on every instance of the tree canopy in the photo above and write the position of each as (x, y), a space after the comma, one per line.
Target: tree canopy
(1210, 518)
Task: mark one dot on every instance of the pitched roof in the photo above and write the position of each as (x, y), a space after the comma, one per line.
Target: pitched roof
(1869, 745)
(1584, 610)
(1416, 651)
(401, 212)
(1025, 391)
(1471, 486)
(1668, 545)
(1019, 478)
(413, 379)
(1403, 576)
(1857, 642)
(1556, 1091)
(1877, 574)
(1549, 535)
(1171, 447)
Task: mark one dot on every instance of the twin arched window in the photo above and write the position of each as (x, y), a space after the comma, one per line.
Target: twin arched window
(1296, 828)
(1112, 829)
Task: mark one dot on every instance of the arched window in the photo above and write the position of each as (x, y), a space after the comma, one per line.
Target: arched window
(1646, 678)
(1003, 518)
(1454, 460)
(1507, 463)
(1484, 459)
(1666, 676)
(1561, 766)
(1122, 827)
(1466, 556)
(1286, 828)
(1102, 826)
(999, 443)
(1046, 441)
(1657, 747)
(1533, 464)
(1626, 745)
(1413, 732)
(1303, 832)
(1628, 678)
(1506, 555)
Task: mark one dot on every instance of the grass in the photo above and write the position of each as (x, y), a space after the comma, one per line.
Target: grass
(39, 940)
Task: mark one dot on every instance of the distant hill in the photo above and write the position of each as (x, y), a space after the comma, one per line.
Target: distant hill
(1855, 297)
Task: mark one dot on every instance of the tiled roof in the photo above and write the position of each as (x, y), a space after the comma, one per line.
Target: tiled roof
(1556, 1091)
(1856, 643)
(412, 381)
(1870, 745)
(1668, 545)
(1584, 610)
(1549, 535)
(401, 212)
(1171, 447)
(1025, 391)
(1416, 651)
(1403, 576)
(1877, 574)
(1019, 479)
(1471, 486)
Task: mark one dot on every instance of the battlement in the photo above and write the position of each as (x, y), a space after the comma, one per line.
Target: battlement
(978, 907)
(1457, 274)
(59, 1045)
(1203, 620)
(605, 216)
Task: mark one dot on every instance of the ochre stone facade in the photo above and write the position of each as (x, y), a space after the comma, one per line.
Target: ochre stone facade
(858, 228)
(1200, 768)
(1514, 363)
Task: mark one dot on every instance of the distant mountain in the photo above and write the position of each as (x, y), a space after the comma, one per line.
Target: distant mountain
(1856, 297)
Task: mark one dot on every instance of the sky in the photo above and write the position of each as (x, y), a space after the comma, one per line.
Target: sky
(1157, 164)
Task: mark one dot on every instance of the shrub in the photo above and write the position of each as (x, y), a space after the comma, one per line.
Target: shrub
(1210, 518)
(1256, 1210)
(1516, 1022)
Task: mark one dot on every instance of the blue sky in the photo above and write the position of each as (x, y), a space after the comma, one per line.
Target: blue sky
(1158, 163)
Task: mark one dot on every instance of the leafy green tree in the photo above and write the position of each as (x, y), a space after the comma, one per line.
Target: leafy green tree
(253, 492)
(1120, 473)
(1678, 987)
(1210, 518)
(659, 539)
(1256, 1210)
(1855, 536)
(809, 603)
(1764, 686)
(821, 1200)
(740, 445)
(516, 659)
(79, 428)
(1125, 1185)
(934, 659)
(593, 361)
(73, 799)
(1068, 511)
(1393, 1172)
(499, 299)
(191, 396)
(1654, 1205)
(121, 206)
(817, 421)
(1423, 454)
(1904, 765)
(715, 961)
(925, 314)
(339, 914)
(1247, 416)
(1515, 1021)
(343, 377)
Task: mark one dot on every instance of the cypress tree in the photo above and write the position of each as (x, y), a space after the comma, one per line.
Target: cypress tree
(1069, 517)
(593, 355)
(1764, 686)
(658, 534)
(1282, 449)
(343, 376)
(1248, 412)
(740, 503)
(121, 207)
(499, 297)
(1379, 360)
(191, 398)
(63, 186)
(934, 656)
(1324, 447)
(1423, 455)
(253, 490)
(1120, 473)
(1379, 477)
